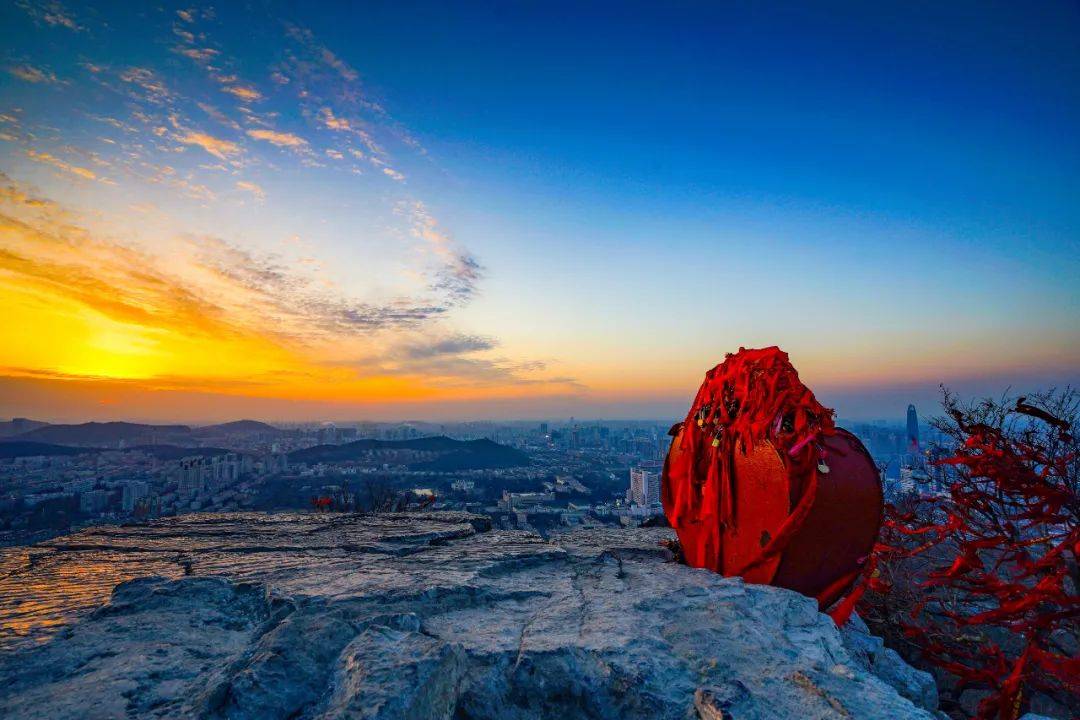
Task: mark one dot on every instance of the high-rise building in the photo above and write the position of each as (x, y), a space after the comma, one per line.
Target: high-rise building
(134, 491)
(644, 486)
(912, 429)
(94, 501)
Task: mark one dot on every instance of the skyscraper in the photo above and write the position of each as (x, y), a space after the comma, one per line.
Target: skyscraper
(644, 486)
(912, 429)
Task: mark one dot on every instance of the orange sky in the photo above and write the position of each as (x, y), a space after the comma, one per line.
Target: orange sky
(203, 220)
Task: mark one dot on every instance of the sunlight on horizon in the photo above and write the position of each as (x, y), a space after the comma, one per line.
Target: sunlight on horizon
(328, 214)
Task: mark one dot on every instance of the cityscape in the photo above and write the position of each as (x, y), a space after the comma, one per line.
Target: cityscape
(560, 473)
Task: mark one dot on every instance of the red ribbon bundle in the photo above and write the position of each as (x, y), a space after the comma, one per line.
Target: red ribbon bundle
(752, 397)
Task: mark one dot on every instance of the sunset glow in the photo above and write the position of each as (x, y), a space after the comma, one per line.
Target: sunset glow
(324, 215)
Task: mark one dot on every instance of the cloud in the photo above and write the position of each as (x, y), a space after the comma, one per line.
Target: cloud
(193, 190)
(44, 157)
(221, 287)
(251, 187)
(51, 13)
(329, 120)
(111, 121)
(460, 272)
(455, 345)
(31, 74)
(307, 39)
(297, 300)
(459, 361)
(46, 249)
(212, 315)
(153, 88)
(185, 35)
(298, 307)
(332, 60)
(247, 94)
(218, 115)
(221, 149)
(378, 157)
(281, 139)
(460, 278)
(199, 55)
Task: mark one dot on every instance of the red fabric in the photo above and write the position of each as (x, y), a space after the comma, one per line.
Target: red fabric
(841, 612)
(752, 397)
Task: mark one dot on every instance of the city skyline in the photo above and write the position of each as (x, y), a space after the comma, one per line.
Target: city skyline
(412, 212)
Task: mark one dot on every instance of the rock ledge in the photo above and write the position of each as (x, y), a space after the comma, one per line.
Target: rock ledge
(435, 615)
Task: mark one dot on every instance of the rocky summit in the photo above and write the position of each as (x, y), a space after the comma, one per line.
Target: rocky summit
(427, 616)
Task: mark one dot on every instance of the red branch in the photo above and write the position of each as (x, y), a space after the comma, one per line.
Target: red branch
(1000, 543)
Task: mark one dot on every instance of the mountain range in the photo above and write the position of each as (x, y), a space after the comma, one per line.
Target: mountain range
(113, 434)
(168, 442)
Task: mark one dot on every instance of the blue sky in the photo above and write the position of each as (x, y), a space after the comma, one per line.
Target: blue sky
(591, 202)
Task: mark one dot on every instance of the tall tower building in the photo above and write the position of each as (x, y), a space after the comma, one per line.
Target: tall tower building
(644, 486)
(912, 429)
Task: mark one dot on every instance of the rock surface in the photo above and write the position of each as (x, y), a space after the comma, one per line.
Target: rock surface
(436, 615)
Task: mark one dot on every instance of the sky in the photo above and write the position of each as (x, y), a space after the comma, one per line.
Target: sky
(400, 210)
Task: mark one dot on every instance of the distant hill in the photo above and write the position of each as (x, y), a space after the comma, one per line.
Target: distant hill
(109, 434)
(17, 448)
(18, 426)
(20, 448)
(237, 427)
(453, 454)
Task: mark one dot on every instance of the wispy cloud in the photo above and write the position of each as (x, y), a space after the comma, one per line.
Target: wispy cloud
(307, 39)
(217, 115)
(462, 361)
(199, 55)
(281, 139)
(197, 293)
(47, 158)
(31, 74)
(212, 288)
(453, 345)
(331, 121)
(459, 273)
(153, 88)
(51, 13)
(246, 289)
(247, 94)
(221, 149)
(251, 187)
